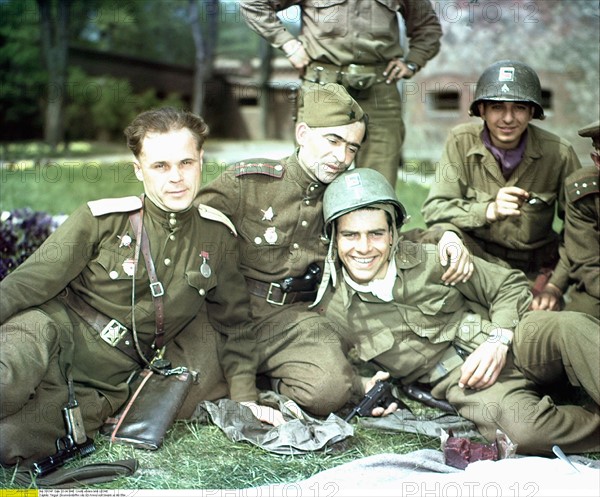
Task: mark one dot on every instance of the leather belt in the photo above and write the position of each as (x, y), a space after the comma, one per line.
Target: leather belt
(111, 331)
(273, 293)
(320, 72)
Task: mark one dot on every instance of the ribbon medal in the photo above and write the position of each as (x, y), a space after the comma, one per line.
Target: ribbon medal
(270, 235)
(205, 269)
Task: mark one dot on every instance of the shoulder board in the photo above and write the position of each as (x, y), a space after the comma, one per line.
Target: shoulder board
(268, 168)
(208, 212)
(111, 205)
(582, 183)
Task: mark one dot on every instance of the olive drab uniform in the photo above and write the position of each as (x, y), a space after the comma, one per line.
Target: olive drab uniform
(277, 209)
(350, 42)
(54, 305)
(579, 262)
(426, 330)
(469, 178)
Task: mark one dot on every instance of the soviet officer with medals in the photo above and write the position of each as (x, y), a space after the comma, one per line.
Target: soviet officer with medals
(116, 284)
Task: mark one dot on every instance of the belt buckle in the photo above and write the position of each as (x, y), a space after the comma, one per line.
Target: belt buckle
(113, 332)
(157, 289)
(270, 293)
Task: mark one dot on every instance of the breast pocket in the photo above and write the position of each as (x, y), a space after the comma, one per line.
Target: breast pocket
(537, 216)
(261, 234)
(200, 283)
(372, 344)
(329, 16)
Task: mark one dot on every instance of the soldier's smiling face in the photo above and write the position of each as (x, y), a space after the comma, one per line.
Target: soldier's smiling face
(364, 243)
(328, 152)
(170, 166)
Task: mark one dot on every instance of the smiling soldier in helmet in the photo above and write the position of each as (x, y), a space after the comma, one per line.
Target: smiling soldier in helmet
(474, 345)
(509, 175)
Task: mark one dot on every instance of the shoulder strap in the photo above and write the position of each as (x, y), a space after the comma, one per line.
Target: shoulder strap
(110, 205)
(266, 167)
(208, 212)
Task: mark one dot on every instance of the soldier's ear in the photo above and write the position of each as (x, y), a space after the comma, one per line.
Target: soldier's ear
(302, 130)
(137, 169)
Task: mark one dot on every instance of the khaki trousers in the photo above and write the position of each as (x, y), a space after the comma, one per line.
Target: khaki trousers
(549, 348)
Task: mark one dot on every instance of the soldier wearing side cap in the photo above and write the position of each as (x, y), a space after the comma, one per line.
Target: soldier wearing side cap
(276, 207)
(578, 270)
(87, 309)
(357, 44)
(505, 175)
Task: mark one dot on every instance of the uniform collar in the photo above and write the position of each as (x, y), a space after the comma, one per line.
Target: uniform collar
(312, 187)
(170, 220)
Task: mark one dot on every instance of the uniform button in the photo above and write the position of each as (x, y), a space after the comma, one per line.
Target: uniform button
(307, 202)
(258, 240)
(296, 246)
(278, 167)
(171, 237)
(304, 224)
(167, 262)
(113, 275)
(202, 291)
(172, 221)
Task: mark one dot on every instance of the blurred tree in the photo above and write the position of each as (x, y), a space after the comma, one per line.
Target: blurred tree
(54, 35)
(205, 36)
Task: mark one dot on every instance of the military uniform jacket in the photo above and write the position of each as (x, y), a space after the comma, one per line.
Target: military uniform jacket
(468, 179)
(277, 210)
(91, 255)
(410, 334)
(580, 254)
(342, 32)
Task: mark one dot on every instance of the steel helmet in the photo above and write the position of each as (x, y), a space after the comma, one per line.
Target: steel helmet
(509, 81)
(359, 188)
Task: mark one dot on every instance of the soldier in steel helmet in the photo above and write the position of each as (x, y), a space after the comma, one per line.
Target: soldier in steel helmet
(578, 271)
(277, 207)
(474, 345)
(507, 175)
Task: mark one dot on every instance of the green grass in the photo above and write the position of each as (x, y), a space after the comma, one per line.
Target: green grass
(199, 456)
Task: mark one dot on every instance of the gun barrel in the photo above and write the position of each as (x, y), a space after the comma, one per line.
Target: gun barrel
(55, 461)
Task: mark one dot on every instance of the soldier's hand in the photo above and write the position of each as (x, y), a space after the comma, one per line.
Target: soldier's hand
(370, 383)
(396, 70)
(548, 299)
(297, 55)
(265, 414)
(508, 203)
(454, 254)
(482, 367)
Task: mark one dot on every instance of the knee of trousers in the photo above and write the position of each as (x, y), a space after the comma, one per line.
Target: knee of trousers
(24, 444)
(321, 397)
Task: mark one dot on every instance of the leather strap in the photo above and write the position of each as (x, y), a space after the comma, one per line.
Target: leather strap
(99, 321)
(273, 293)
(136, 219)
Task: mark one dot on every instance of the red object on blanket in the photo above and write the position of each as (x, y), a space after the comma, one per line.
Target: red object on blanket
(459, 452)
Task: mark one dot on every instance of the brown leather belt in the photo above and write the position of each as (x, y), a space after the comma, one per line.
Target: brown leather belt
(320, 72)
(111, 331)
(273, 293)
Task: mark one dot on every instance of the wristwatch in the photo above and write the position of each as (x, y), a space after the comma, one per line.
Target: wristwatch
(412, 66)
(498, 336)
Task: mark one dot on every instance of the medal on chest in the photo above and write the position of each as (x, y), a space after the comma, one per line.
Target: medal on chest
(205, 269)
